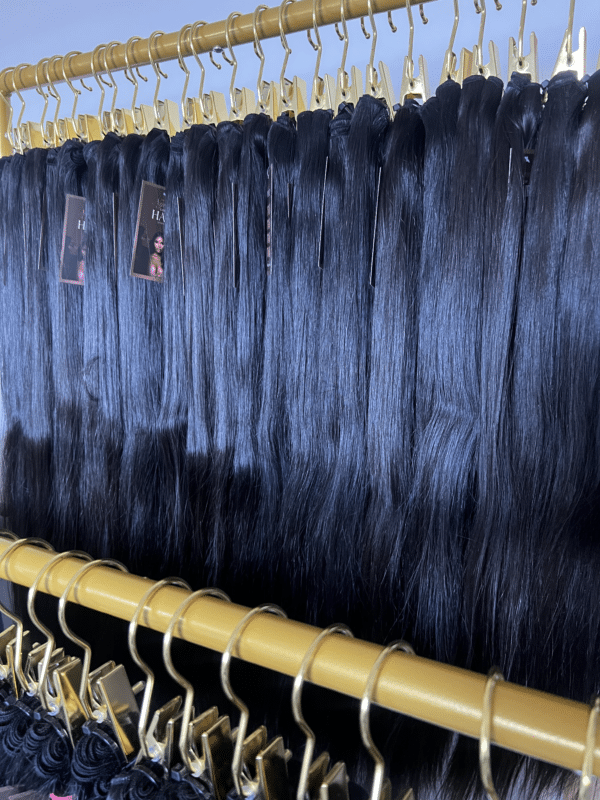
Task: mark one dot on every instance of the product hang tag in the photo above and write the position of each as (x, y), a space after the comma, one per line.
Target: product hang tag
(74, 242)
(149, 243)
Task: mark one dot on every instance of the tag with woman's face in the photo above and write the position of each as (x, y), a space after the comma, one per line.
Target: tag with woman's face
(149, 242)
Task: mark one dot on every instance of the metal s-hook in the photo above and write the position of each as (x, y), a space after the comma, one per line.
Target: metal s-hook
(207, 108)
(9, 133)
(237, 764)
(449, 70)
(238, 98)
(309, 747)
(163, 114)
(187, 748)
(99, 80)
(567, 59)
(52, 127)
(18, 131)
(133, 649)
(517, 60)
(292, 92)
(18, 676)
(493, 67)
(130, 73)
(84, 698)
(485, 763)
(381, 788)
(413, 87)
(195, 27)
(67, 128)
(376, 86)
(346, 91)
(186, 30)
(109, 116)
(323, 89)
(267, 93)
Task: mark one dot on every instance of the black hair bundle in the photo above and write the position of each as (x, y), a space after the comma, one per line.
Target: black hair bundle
(448, 367)
(171, 475)
(66, 174)
(245, 488)
(272, 424)
(393, 348)
(487, 556)
(144, 512)
(223, 336)
(301, 481)
(200, 154)
(538, 585)
(12, 320)
(29, 438)
(576, 482)
(102, 425)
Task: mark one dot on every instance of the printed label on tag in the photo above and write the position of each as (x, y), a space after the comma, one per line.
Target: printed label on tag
(149, 243)
(74, 243)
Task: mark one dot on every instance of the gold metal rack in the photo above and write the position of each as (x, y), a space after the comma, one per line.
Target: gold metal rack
(297, 16)
(534, 723)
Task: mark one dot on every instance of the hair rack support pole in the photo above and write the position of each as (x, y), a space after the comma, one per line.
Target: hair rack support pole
(5, 148)
(297, 17)
(534, 723)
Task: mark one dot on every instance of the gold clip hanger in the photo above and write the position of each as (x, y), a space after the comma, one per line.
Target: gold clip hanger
(348, 89)
(413, 87)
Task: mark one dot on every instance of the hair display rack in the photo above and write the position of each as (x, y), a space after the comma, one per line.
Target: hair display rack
(534, 723)
(298, 16)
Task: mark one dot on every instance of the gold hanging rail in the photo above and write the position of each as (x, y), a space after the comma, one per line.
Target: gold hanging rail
(534, 723)
(298, 16)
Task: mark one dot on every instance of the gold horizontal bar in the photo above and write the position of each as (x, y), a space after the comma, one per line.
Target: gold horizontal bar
(537, 724)
(297, 17)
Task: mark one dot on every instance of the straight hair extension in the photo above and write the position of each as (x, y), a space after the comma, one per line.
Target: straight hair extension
(487, 559)
(102, 427)
(318, 576)
(225, 293)
(540, 575)
(578, 349)
(390, 423)
(28, 475)
(301, 409)
(143, 514)
(66, 174)
(200, 167)
(345, 331)
(171, 476)
(272, 425)
(12, 321)
(448, 374)
(244, 497)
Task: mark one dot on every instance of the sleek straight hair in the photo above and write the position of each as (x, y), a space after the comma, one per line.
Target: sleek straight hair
(200, 165)
(142, 498)
(300, 483)
(395, 259)
(66, 175)
(102, 426)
